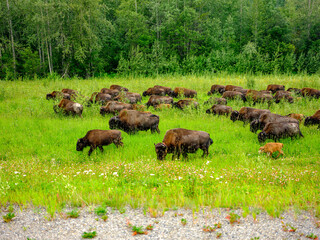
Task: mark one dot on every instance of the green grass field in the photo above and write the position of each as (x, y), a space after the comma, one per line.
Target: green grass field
(39, 164)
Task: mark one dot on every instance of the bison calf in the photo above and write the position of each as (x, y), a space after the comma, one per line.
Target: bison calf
(69, 107)
(98, 138)
(270, 148)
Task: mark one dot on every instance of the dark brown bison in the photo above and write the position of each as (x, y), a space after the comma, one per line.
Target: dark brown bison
(128, 97)
(277, 130)
(98, 138)
(259, 96)
(217, 89)
(158, 90)
(247, 114)
(181, 104)
(273, 88)
(218, 109)
(265, 118)
(313, 120)
(310, 92)
(57, 94)
(297, 91)
(155, 100)
(212, 100)
(180, 91)
(119, 88)
(69, 107)
(234, 95)
(232, 88)
(101, 98)
(182, 141)
(285, 95)
(132, 121)
(112, 92)
(114, 107)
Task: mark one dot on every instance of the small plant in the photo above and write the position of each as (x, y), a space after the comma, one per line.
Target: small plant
(10, 209)
(233, 218)
(122, 210)
(218, 234)
(89, 234)
(156, 221)
(149, 227)
(217, 225)
(73, 214)
(100, 211)
(255, 238)
(104, 218)
(8, 217)
(287, 227)
(138, 230)
(183, 221)
(208, 229)
(312, 236)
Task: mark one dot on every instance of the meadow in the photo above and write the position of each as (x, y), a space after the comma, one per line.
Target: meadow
(39, 164)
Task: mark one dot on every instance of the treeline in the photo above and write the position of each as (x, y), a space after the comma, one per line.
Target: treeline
(92, 37)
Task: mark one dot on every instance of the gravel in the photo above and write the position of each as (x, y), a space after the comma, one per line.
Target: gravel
(35, 224)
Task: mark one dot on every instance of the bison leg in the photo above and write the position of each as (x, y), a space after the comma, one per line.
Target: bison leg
(280, 153)
(91, 149)
(101, 148)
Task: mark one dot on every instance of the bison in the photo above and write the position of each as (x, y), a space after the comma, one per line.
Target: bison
(247, 114)
(217, 88)
(128, 97)
(112, 92)
(155, 100)
(310, 92)
(180, 91)
(217, 109)
(132, 121)
(114, 107)
(283, 95)
(277, 130)
(181, 104)
(182, 141)
(313, 120)
(274, 88)
(98, 138)
(57, 94)
(232, 88)
(69, 107)
(158, 90)
(272, 147)
(119, 88)
(221, 101)
(234, 95)
(98, 97)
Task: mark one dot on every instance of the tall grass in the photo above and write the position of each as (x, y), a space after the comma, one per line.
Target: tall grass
(39, 164)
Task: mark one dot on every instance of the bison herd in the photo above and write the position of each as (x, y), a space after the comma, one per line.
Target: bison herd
(130, 115)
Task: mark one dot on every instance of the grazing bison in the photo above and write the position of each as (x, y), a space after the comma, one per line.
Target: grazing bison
(132, 121)
(158, 90)
(155, 100)
(57, 94)
(212, 100)
(69, 107)
(112, 92)
(181, 104)
(217, 88)
(259, 96)
(272, 147)
(217, 109)
(283, 95)
(180, 91)
(313, 120)
(265, 118)
(98, 138)
(274, 88)
(98, 97)
(277, 130)
(297, 116)
(114, 107)
(71, 92)
(310, 92)
(182, 141)
(128, 97)
(247, 114)
(297, 91)
(232, 88)
(119, 88)
(234, 95)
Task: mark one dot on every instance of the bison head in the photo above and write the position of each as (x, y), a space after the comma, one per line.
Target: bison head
(49, 96)
(161, 150)
(262, 136)
(209, 111)
(309, 121)
(144, 93)
(115, 123)
(234, 116)
(81, 144)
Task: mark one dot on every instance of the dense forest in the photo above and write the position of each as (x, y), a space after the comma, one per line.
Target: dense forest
(87, 38)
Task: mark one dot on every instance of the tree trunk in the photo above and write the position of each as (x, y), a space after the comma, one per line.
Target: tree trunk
(12, 40)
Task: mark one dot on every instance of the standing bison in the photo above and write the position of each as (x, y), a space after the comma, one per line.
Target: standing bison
(218, 109)
(155, 100)
(114, 107)
(274, 88)
(132, 121)
(313, 120)
(180, 91)
(158, 90)
(182, 141)
(247, 114)
(69, 107)
(217, 88)
(98, 138)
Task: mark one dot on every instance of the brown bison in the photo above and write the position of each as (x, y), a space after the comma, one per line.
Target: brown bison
(259, 96)
(114, 107)
(247, 114)
(232, 88)
(212, 100)
(101, 98)
(283, 95)
(297, 116)
(310, 92)
(98, 138)
(180, 91)
(182, 141)
(70, 91)
(69, 107)
(265, 118)
(155, 100)
(181, 104)
(128, 97)
(217, 88)
(234, 95)
(158, 90)
(277, 130)
(112, 92)
(313, 120)
(271, 148)
(132, 121)
(119, 88)
(274, 88)
(217, 109)
(57, 94)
